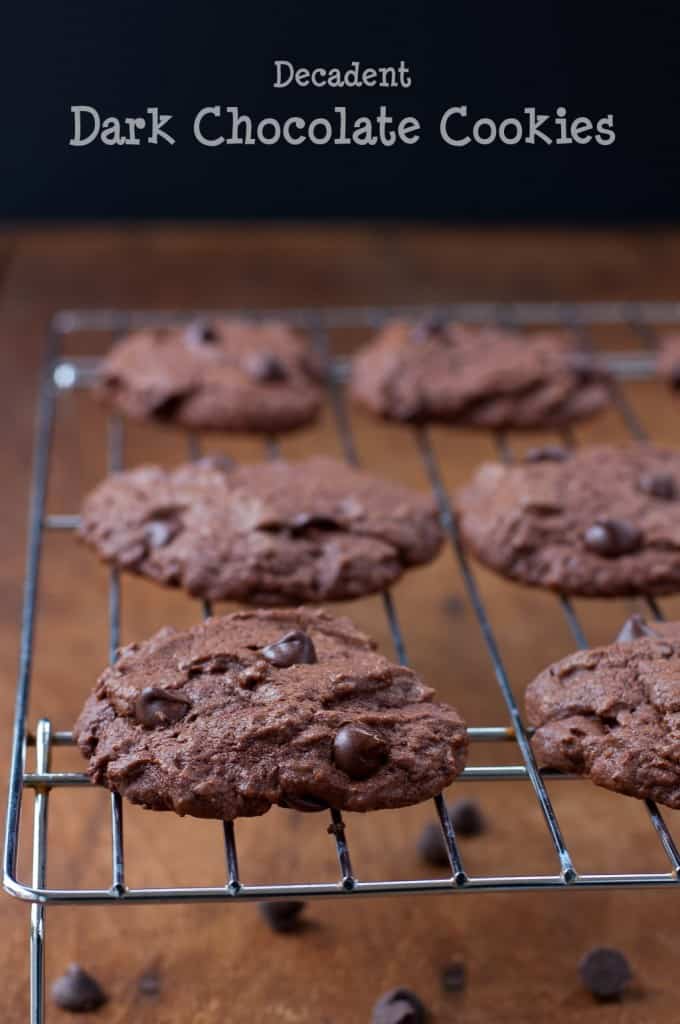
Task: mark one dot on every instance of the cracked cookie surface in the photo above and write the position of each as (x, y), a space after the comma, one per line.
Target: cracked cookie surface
(603, 520)
(476, 376)
(289, 707)
(214, 375)
(613, 714)
(267, 533)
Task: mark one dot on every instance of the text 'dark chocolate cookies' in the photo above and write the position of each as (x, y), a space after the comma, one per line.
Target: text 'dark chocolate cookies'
(227, 731)
(269, 533)
(216, 375)
(613, 714)
(476, 376)
(604, 521)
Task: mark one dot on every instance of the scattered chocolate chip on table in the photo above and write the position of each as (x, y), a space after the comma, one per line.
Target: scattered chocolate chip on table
(399, 1006)
(605, 973)
(282, 915)
(78, 991)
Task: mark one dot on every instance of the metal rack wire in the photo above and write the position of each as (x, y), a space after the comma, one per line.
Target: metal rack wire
(62, 373)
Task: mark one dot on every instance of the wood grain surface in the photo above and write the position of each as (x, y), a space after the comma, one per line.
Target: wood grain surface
(220, 963)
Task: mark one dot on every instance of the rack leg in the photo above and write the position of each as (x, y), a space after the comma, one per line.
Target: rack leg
(37, 935)
(37, 955)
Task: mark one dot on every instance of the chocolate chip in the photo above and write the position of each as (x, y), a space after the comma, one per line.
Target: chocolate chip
(658, 485)
(201, 333)
(156, 706)
(399, 1006)
(434, 327)
(111, 381)
(541, 506)
(454, 977)
(149, 983)
(212, 664)
(282, 915)
(358, 751)
(264, 367)
(675, 378)
(612, 537)
(634, 628)
(548, 453)
(584, 365)
(78, 991)
(252, 675)
(605, 972)
(294, 648)
(302, 802)
(431, 846)
(166, 407)
(467, 818)
(159, 532)
(308, 521)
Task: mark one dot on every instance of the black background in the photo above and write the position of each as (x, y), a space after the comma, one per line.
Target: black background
(498, 58)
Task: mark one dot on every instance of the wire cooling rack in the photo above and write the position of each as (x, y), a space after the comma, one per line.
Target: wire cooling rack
(62, 373)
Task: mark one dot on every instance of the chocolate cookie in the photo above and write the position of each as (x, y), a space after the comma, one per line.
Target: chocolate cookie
(221, 375)
(269, 533)
(613, 714)
(668, 359)
(602, 521)
(476, 376)
(288, 707)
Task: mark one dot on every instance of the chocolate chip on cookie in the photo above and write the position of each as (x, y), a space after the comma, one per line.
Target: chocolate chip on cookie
(294, 648)
(659, 485)
(201, 333)
(156, 706)
(358, 751)
(612, 537)
(548, 453)
(263, 366)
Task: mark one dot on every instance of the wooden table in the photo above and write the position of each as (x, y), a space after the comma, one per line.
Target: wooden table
(219, 963)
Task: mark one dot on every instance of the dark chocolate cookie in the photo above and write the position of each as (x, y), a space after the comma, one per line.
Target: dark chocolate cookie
(476, 376)
(271, 533)
(221, 375)
(602, 521)
(613, 714)
(288, 707)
